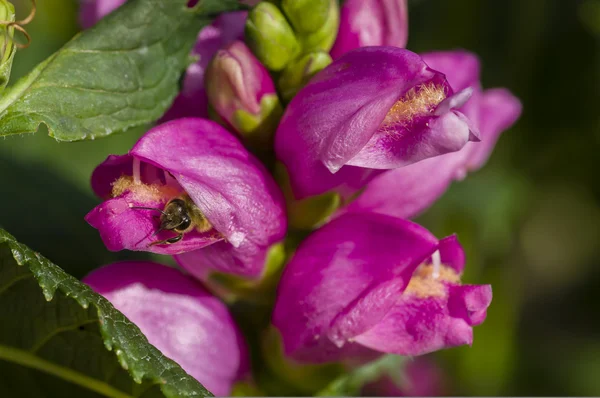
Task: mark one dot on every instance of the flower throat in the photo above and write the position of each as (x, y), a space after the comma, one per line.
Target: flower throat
(417, 101)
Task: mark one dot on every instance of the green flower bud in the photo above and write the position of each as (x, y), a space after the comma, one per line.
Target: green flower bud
(259, 129)
(7, 47)
(270, 36)
(306, 16)
(241, 92)
(316, 22)
(232, 288)
(297, 74)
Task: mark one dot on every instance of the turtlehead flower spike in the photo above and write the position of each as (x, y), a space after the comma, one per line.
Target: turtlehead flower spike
(180, 318)
(373, 283)
(373, 109)
(371, 23)
(185, 185)
(407, 191)
(241, 91)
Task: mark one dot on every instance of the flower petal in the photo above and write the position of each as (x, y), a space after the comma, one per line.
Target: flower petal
(499, 110)
(231, 187)
(336, 114)
(417, 326)
(371, 23)
(431, 137)
(460, 67)
(452, 253)
(246, 260)
(343, 279)
(405, 192)
(178, 317)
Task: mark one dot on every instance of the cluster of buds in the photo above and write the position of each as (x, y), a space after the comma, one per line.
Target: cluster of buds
(366, 135)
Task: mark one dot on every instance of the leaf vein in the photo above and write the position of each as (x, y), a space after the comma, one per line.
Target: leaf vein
(37, 346)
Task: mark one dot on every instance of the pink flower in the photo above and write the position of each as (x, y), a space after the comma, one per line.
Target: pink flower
(185, 185)
(375, 108)
(370, 282)
(407, 191)
(178, 317)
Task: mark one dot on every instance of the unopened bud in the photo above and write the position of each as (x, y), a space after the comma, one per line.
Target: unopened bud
(315, 22)
(7, 47)
(306, 16)
(270, 36)
(241, 92)
(297, 74)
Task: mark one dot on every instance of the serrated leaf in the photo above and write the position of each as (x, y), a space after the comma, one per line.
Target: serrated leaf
(56, 334)
(123, 72)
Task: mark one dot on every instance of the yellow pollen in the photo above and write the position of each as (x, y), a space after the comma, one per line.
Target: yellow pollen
(417, 101)
(142, 192)
(423, 284)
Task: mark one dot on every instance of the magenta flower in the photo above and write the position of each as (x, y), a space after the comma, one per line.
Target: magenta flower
(407, 191)
(191, 100)
(372, 282)
(185, 185)
(241, 90)
(178, 317)
(371, 23)
(373, 109)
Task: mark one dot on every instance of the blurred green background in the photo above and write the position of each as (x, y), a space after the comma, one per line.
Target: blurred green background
(530, 220)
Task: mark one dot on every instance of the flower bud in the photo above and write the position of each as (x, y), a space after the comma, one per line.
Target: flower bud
(306, 16)
(242, 93)
(297, 74)
(270, 36)
(7, 47)
(315, 22)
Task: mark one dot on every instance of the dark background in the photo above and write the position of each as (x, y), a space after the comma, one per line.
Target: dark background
(530, 220)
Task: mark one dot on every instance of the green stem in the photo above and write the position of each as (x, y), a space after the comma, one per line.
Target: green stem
(27, 359)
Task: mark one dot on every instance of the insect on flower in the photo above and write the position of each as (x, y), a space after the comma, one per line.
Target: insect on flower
(179, 215)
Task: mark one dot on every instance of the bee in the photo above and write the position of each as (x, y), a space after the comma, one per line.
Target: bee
(180, 215)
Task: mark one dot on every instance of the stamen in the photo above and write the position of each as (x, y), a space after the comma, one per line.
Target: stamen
(436, 260)
(423, 285)
(143, 193)
(417, 101)
(136, 171)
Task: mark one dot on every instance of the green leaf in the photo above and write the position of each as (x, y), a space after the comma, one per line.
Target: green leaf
(123, 72)
(58, 343)
(351, 383)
